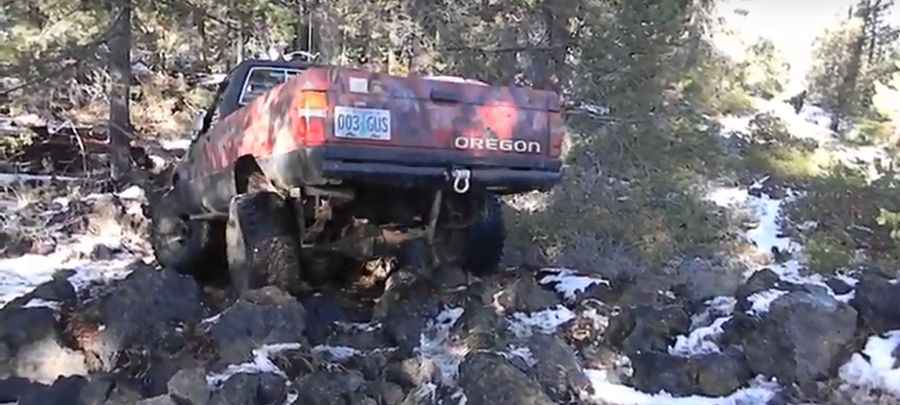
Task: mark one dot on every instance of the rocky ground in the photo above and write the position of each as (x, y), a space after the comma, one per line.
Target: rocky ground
(97, 322)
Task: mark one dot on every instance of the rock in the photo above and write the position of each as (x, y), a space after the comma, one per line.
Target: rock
(646, 289)
(488, 378)
(838, 286)
(102, 252)
(144, 309)
(450, 277)
(656, 371)
(412, 372)
(761, 280)
(878, 301)
(387, 393)
(13, 388)
(22, 326)
(360, 336)
(328, 387)
(521, 294)
(322, 311)
(720, 374)
(61, 392)
(33, 361)
(405, 308)
(803, 337)
(158, 400)
(647, 328)
(251, 389)
(189, 386)
(479, 326)
(58, 289)
(556, 367)
(700, 279)
(371, 364)
(257, 319)
(715, 374)
(294, 363)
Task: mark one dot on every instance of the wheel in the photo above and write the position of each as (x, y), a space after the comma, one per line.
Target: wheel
(194, 248)
(483, 243)
(262, 242)
(478, 247)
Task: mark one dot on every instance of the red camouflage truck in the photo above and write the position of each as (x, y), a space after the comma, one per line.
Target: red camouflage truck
(300, 170)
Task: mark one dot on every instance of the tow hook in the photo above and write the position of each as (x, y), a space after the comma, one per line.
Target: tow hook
(461, 180)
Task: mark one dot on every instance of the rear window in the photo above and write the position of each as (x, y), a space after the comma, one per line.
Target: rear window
(263, 79)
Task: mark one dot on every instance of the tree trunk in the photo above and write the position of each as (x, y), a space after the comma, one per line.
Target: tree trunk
(120, 73)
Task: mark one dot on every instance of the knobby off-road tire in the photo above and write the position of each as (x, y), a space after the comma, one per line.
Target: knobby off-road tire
(484, 240)
(262, 241)
(194, 248)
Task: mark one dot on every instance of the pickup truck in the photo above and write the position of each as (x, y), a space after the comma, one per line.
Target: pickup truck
(300, 170)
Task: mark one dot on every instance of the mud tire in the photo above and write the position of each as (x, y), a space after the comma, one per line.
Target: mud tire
(194, 248)
(484, 240)
(261, 238)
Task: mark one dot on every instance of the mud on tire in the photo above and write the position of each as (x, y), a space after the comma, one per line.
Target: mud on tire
(263, 248)
(189, 247)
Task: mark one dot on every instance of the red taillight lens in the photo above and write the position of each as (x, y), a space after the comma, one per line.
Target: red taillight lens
(557, 134)
(311, 111)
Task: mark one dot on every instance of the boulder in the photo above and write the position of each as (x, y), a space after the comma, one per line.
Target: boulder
(412, 372)
(555, 367)
(877, 300)
(144, 309)
(61, 392)
(157, 400)
(13, 388)
(647, 328)
(714, 374)
(489, 378)
(700, 279)
(519, 292)
(386, 392)
(803, 338)
(251, 389)
(259, 317)
(405, 308)
(189, 386)
(328, 387)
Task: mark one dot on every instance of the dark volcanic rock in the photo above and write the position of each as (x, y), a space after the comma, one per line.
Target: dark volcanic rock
(803, 337)
(251, 389)
(189, 386)
(30, 336)
(556, 367)
(144, 309)
(405, 308)
(58, 289)
(327, 387)
(13, 388)
(878, 301)
(715, 374)
(386, 393)
(479, 326)
(412, 372)
(700, 279)
(489, 379)
(158, 400)
(522, 294)
(62, 392)
(838, 286)
(647, 328)
(259, 317)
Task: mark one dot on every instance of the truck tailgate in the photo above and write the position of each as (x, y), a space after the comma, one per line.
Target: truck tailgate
(462, 118)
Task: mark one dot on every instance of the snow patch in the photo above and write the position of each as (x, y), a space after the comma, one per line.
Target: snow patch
(605, 392)
(42, 303)
(546, 321)
(762, 300)
(700, 341)
(133, 193)
(569, 283)
(336, 353)
(523, 353)
(435, 345)
(598, 321)
(261, 363)
(175, 144)
(876, 368)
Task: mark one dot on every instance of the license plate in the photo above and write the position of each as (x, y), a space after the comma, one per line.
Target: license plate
(362, 123)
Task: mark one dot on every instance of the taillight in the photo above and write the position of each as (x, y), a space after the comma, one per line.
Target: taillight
(557, 134)
(311, 109)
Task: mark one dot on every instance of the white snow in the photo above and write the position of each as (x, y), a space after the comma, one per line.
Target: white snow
(605, 392)
(11, 178)
(700, 341)
(260, 364)
(598, 321)
(435, 345)
(523, 353)
(569, 283)
(762, 300)
(42, 303)
(336, 353)
(175, 144)
(546, 321)
(876, 367)
(133, 193)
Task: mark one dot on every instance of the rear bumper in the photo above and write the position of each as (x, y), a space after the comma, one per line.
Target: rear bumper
(509, 180)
